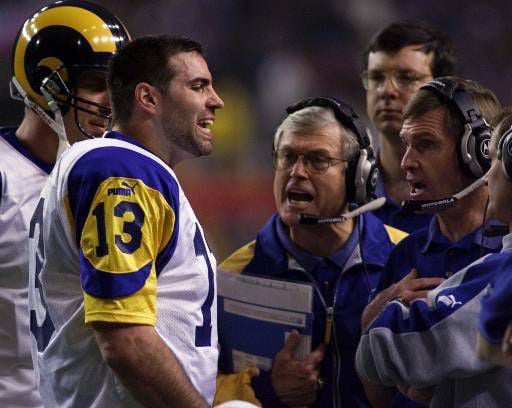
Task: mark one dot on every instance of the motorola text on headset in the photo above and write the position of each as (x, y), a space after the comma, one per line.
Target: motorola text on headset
(362, 172)
(312, 219)
(474, 144)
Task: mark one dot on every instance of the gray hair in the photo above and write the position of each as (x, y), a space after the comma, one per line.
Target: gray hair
(315, 117)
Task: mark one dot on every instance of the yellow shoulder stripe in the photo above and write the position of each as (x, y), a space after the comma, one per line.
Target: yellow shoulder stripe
(395, 235)
(239, 259)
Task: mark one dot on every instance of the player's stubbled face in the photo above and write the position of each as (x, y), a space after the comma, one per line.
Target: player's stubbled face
(190, 102)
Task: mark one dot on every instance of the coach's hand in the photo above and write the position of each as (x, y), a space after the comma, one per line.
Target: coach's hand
(296, 382)
(409, 288)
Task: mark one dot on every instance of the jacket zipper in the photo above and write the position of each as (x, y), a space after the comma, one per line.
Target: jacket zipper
(330, 334)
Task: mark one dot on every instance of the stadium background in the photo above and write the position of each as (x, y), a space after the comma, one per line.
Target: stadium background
(267, 54)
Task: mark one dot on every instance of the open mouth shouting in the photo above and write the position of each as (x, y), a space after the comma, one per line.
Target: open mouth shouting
(298, 199)
(417, 189)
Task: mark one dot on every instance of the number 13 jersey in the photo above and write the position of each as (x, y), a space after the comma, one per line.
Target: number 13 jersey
(114, 239)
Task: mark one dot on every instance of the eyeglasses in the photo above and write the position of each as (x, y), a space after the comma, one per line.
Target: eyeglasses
(401, 80)
(314, 162)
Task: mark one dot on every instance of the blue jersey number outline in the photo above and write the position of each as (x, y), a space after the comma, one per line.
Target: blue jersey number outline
(204, 332)
(42, 333)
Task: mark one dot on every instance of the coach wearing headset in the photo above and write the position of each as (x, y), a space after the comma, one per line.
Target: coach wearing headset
(446, 138)
(320, 149)
(494, 340)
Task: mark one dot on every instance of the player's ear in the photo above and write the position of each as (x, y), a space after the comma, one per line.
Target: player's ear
(147, 97)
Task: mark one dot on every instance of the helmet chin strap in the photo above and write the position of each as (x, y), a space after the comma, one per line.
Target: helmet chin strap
(57, 124)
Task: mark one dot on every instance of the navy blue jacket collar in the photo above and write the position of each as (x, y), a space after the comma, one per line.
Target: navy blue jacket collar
(435, 237)
(309, 261)
(274, 253)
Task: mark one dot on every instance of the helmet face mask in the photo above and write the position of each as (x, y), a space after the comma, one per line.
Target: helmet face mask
(66, 99)
(56, 45)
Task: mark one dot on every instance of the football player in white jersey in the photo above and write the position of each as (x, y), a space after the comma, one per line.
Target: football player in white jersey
(50, 48)
(123, 285)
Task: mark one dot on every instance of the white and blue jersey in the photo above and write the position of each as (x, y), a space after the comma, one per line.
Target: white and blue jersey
(432, 342)
(116, 240)
(22, 177)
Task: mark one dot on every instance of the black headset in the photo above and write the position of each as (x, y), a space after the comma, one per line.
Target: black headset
(362, 172)
(474, 145)
(504, 153)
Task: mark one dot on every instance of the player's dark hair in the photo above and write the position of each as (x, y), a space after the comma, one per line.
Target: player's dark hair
(145, 59)
(400, 34)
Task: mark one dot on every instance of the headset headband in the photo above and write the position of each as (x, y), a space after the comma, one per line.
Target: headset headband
(449, 91)
(343, 112)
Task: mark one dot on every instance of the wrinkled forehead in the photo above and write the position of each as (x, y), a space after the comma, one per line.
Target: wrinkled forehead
(430, 122)
(327, 137)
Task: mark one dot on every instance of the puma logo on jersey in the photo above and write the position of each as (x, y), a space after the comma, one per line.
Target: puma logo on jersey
(120, 191)
(132, 188)
(449, 301)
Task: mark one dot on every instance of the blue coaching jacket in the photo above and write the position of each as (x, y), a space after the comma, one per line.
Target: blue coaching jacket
(342, 282)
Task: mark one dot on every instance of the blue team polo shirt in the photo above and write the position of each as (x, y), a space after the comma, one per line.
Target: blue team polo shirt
(434, 255)
(392, 214)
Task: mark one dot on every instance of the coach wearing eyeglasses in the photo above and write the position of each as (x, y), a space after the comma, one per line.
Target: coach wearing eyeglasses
(323, 162)
(398, 60)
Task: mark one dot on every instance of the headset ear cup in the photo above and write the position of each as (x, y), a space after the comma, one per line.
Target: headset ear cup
(371, 184)
(483, 141)
(365, 177)
(474, 151)
(350, 175)
(506, 155)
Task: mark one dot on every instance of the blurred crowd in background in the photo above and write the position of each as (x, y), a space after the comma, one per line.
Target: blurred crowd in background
(265, 55)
